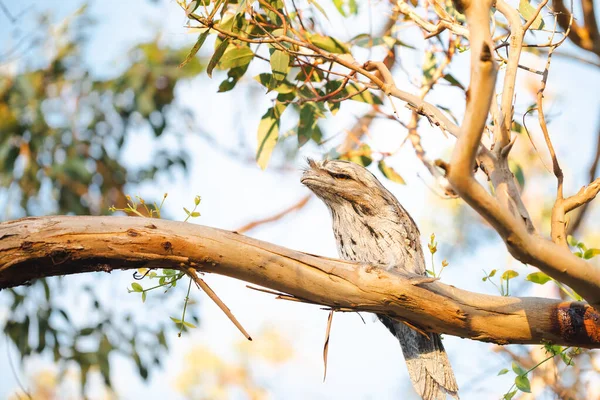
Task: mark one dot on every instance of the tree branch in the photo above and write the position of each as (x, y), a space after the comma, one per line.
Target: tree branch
(554, 260)
(32, 248)
(583, 196)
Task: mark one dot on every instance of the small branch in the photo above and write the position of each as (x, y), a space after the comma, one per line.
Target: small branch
(434, 114)
(432, 29)
(583, 196)
(298, 206)
(517, 33)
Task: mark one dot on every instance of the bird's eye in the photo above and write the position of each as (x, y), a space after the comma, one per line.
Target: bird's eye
(340, 176)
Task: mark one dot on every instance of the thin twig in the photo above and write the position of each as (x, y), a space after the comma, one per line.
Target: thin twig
(251, 225)
(326, 345)
(213, 296)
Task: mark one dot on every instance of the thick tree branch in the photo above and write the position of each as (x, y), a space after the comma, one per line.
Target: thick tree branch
(32, 248)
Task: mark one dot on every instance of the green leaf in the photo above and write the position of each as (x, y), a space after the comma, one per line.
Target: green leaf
(517, 172)
(328, 43)
(268, 81)
(365, 96)
(353, 7)
(509, 396)
(268, 133)
(137, 287)
(201, 38)
(236, 57)
(538, 277)
(280, 64)
(318, 7)
(527, 11)
(214, 60)
(517, 127)
(309, 115)
(522, 383)
(192, 7)
(360, 156)
(177, 321)
(589, 253)
(339, 5)
(189, 324)
(144, 297)
(492, 273)
(429, 66)
(502, 371)
(195, 214)
(390, 173)
(233, 76)
(517, 369)
(509, 274)
(453, 81)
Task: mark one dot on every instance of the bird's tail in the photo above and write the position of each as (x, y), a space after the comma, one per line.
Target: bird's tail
(428, 364)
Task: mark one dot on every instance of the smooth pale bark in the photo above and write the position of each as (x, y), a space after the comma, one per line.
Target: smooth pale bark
(32, 248)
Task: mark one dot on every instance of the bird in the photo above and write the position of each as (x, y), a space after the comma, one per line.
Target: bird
(370, 226)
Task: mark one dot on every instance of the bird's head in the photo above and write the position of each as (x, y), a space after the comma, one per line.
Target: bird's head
(343, 183)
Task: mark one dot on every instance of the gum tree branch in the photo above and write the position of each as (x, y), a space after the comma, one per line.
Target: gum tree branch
(554, 260)
(33, 248)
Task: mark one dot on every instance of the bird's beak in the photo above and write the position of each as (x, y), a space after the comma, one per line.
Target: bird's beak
(312, 173)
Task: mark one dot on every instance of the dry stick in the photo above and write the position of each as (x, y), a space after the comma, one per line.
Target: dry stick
(326, 345)
(202, 285)
(251, 225)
